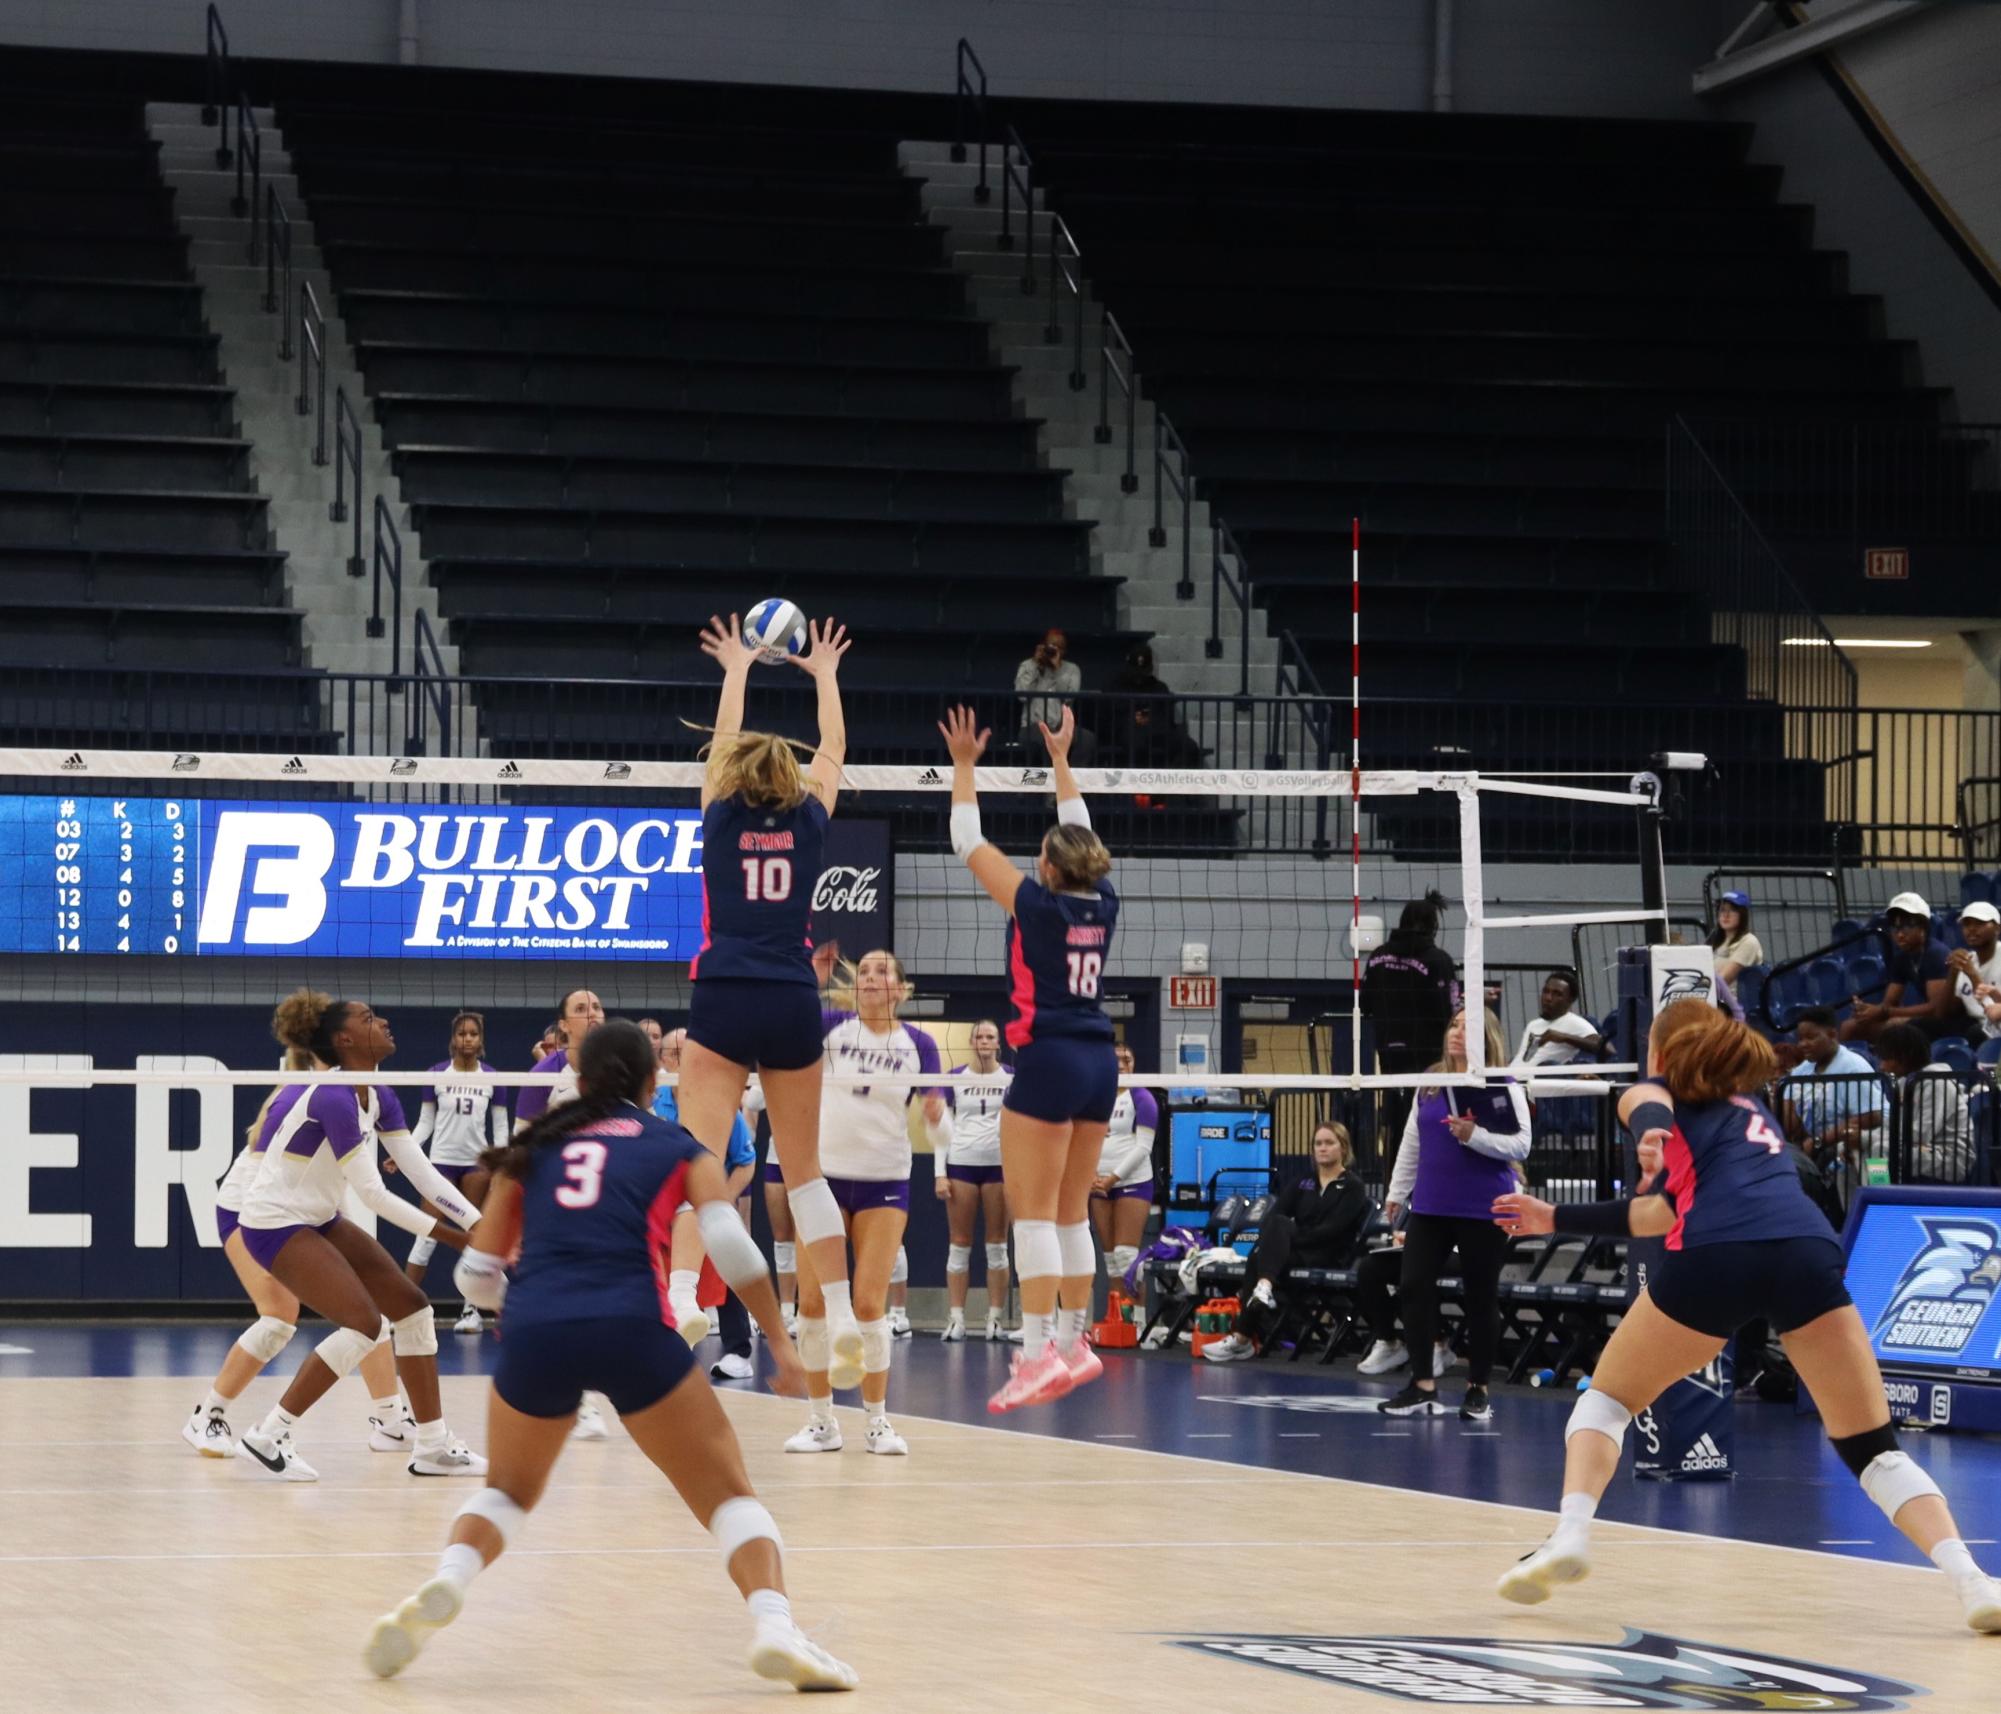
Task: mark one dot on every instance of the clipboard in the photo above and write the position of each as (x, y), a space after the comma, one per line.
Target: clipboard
(1492, 1110)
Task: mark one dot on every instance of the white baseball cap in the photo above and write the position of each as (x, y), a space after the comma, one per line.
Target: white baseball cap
(1911, 904)
(1980, 911)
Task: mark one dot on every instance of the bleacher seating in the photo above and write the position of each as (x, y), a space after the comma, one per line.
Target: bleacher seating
(134, 546)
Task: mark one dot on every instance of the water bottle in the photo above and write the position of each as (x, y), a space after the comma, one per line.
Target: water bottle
(1584, 1383)
(1543, 1378)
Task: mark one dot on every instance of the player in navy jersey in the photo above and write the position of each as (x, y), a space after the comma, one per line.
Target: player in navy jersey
(586, 1195)
(1066, 1080)
(459, 1116)
(756, 1002)
(1744, 1242)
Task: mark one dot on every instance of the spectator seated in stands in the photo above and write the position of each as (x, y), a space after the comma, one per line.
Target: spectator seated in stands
(1561, 1035)
(1141, 727)
(1736, 948)
(1317, 1223)
(1919, 986)
(1976, 969)
(1834, 1095)
(1051, 682)
(1932, 1129)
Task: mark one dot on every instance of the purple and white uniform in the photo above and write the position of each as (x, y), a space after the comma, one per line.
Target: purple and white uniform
(973, 1156)
(1128, 1151)
(534, 1100)
(461, 1117)
(865, 1129)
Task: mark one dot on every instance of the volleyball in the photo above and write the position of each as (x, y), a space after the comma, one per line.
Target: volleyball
(775, 629)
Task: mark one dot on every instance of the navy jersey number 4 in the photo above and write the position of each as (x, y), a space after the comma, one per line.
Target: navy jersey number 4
(1057, 948)
(759, 869)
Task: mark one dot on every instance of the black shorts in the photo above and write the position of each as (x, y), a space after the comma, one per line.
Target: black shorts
(1716, 1288)
(634, 1360)
(768, 1026)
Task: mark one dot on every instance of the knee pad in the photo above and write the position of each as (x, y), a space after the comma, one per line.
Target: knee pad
(877, 1343)
(1118, 1262)
(1859, 1451)
(421, 1251)
(265, 1337)
(1893, 1480)
(341, 1349)
(812, 1343)
(900, 1274)
(996, 1258)
(740, 1521)
(1080, 1256)
(1038, 1252)
(416, 1335)
(498, 1510)
(1600, 1413)
(815, 1213)
(387, 1333)
(784, 1257)
(959, 1258)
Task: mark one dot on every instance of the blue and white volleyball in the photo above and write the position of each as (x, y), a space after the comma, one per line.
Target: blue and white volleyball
(775, 629)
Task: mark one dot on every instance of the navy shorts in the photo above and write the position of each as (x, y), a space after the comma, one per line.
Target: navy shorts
(768, 1026)
(1717, 1288)
(1065, 1078)
(634, 1360)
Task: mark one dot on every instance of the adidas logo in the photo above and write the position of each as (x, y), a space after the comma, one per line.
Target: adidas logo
(931, 777)
(510, 771)
(1705, 1454)
(403, 767)
(294, 766)
(186, 764)
(618, 770)
(74, 763)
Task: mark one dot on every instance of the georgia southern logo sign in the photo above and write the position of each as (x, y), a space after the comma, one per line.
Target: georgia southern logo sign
(1646, 1670)
(1945, 1289)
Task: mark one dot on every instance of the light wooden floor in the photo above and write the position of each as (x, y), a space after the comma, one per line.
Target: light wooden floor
(986, 1571)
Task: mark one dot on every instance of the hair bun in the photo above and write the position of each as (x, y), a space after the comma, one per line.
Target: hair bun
(297, 1017)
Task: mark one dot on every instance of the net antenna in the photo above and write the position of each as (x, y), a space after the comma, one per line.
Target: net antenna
(1355, 795)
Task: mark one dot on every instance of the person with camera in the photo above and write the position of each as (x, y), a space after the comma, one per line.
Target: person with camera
(1050, 682)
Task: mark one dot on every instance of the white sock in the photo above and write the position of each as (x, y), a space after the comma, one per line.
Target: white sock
(821, 1410)
(1575, 1514)
(769, 1607)
(1069, 1328)
(279, 1423)
(461, 1563)
(1035, 1331)
(878, 1413)
(839, 1305)
(1953, 1558)
(214, 1401)
(431, 1436)
(955, 1317)
(682, 1282)
(388, 1409)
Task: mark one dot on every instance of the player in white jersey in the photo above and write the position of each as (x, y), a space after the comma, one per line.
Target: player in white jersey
(461, 1117)
(1122, 1191)
(319, 1140)
(208, 1430)
(865, 1153)
(968, 1168)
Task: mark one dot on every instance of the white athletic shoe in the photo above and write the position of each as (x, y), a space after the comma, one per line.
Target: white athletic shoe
(209, 1433)
(397, 1436)
(470, 1320)
(955, 1329)
(844, 1353)
(1234, 1349)
(399, 1638)
(899, 1324)
(1980, 1596)
(1003, 1335)
(1564, 1558)
(789, 1314)
(819, 1435)
(274, 1456)
(1384, 1355)
(782, 1651)
(732, 1367)
(590, 1423)
(883, 1439)
(454, 1458)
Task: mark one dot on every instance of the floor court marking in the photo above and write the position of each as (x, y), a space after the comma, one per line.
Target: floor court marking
(226, 1485)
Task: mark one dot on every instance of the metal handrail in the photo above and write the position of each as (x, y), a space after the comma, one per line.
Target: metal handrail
(313, 357)
(1128, 380)
(433, 688)
(965, 98)
(249, 143)
(1165, 435)
(1066, 268)
(215, 85)
(1221, 541)
(278, 268)
(347, 456)
(389, 561)
(1013, 151)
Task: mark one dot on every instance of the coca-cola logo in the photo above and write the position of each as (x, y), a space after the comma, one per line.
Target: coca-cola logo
(846, 887)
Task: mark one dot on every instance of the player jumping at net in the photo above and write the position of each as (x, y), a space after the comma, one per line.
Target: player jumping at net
(756, 1001)
(586, 1194)
(461, 1115)
(1751, 1245)
(319, 1141)
(208, 1430)
(968, 1167)
(1066, 1080)
(865, 1149)
(1122, 1191)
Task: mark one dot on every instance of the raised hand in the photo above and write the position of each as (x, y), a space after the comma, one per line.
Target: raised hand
(964, 736)
(724, 644)
(1059, 741)
(1520, 1212)
(826, 643)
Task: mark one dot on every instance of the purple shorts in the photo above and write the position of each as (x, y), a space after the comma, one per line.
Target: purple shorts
(1121, 1192)
(858, 1195)
(774, 1170)
(264, 1242)
(453, 1175)
(226, 1222)
(973, 1174)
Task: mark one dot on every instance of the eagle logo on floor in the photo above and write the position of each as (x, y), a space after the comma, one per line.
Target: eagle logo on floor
(1945, 1289)
(1646, 1670)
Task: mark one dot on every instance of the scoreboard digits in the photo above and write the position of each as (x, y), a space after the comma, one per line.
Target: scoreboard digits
(97, 874)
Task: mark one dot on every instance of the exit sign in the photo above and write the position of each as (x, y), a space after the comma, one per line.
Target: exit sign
(1191, 993)
(1886, 565)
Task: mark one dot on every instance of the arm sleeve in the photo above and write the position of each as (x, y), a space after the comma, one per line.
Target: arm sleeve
(427, 1120)
(1137, 1153)
(1513, 1147)
(499, 1126)
(360, 1171)
(941, 1146)
(1404, 1174)
(927, 1060)
(426, 1180)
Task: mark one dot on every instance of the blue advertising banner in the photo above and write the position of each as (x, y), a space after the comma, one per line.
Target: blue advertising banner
(1923, 1267)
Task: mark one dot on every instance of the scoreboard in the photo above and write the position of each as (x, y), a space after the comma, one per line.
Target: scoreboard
(98, 874)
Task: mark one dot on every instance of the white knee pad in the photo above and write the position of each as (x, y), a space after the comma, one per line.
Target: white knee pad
(1893, 1480)
(341, 1349)
(877, 1343)
(1602, 1414)
(815, 1213)
(265, 1337)
(498, 1510)
(1038, 1252)
(1080, 1256)
(900, 1274)
(1120, 1260)
(812, 1342)
(387, 1333)
(422, 1250)
(997, 1258)
(416, 1335)
(784, 1257)
(740, 1521)
(959, 1258)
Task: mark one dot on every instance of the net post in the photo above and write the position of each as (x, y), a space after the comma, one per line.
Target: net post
(1474, 963)
(1653, 864)
(1355, 797)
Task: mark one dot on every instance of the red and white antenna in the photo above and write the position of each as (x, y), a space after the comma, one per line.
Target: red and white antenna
(1355, 795)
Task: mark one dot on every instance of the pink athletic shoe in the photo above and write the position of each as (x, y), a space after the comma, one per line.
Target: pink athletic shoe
(1084, 1364)
(1032, 1381)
